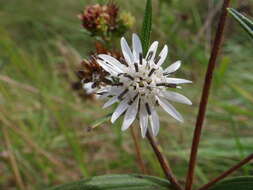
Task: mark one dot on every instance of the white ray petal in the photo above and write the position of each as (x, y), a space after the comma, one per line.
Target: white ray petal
(173, 67)
(112, 70)
(143, 116)
(177, 81)
(126, 51)
(113, 61)
(137, 47)
(169, 109)
(176, 97)
(115, 90)
(101, 97)
(109, 91)
(162, 56)
(154, 122)
(117, 67)
(152, 51)
(88, 87)
(121, 108)
(110, 102)
(104, 89)
(130, 115)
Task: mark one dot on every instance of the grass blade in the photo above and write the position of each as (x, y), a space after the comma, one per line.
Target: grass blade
(146, 26)
(245, 22)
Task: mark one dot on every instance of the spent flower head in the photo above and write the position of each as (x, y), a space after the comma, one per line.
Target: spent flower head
(91, 74)
(105, 21)
(140, 85)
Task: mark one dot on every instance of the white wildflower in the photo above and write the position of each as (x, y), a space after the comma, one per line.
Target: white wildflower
(140, 85)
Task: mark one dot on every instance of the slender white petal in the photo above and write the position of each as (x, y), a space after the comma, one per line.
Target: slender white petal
(154, 122)
(137, 47)
(173, 67)
(113, 61)
(130, 115)
(169, 108)
(88, 87)
(112, 90)
(119, 110)
(110, 69)
(176, 97)
(115, 67)
(177, 81)
(110, 102)
(143, 116)
(126, 51)
(109, 91)
(116, 90)
(152, 51)
(104, 89)
(101, 97)
(162, 56)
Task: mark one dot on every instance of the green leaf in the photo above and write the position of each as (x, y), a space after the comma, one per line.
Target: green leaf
(100, 121)
(146, 27)
(245, 22)
(242, 92)
(237, 183)
(117, 182)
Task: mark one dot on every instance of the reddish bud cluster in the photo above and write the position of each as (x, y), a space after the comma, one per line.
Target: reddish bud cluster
(95, 16)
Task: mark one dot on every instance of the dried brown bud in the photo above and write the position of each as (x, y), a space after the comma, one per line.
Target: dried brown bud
(92, 72)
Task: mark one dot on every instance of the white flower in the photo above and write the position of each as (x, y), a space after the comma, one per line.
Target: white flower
(140, 85)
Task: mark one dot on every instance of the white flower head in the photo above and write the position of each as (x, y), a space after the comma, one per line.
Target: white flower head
(140, 85)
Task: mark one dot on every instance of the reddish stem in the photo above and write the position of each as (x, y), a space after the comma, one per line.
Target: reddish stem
(205, 94)
(226, 173)
(163, 162)
(138, 152)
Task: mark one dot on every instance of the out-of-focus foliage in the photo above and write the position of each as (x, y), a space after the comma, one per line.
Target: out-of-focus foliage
(43, 42)
(245, 22)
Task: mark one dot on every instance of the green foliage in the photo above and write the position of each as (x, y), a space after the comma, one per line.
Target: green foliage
(100, 121)
(146, 26)
(117, 182)
(245, 22)
(237, 183)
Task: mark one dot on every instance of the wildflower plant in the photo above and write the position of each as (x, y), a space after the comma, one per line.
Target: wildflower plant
(139, 84)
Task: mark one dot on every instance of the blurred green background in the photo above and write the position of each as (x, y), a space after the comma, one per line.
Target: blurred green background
(43, 123)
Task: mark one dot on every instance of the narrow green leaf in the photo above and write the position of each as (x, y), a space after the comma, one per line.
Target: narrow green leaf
(245, 22)
(146, 26)
(117, 182)
(237, 183)
(100, 121)
(244, 93)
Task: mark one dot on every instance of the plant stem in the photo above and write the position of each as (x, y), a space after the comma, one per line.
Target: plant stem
(228, 172)
(163, 162)
(12, 158)
(138, 151)
(205, 94)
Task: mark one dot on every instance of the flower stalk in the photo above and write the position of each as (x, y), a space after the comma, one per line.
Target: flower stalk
(138, 151)
(228, 172)
(163, 162)
(205, 95)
